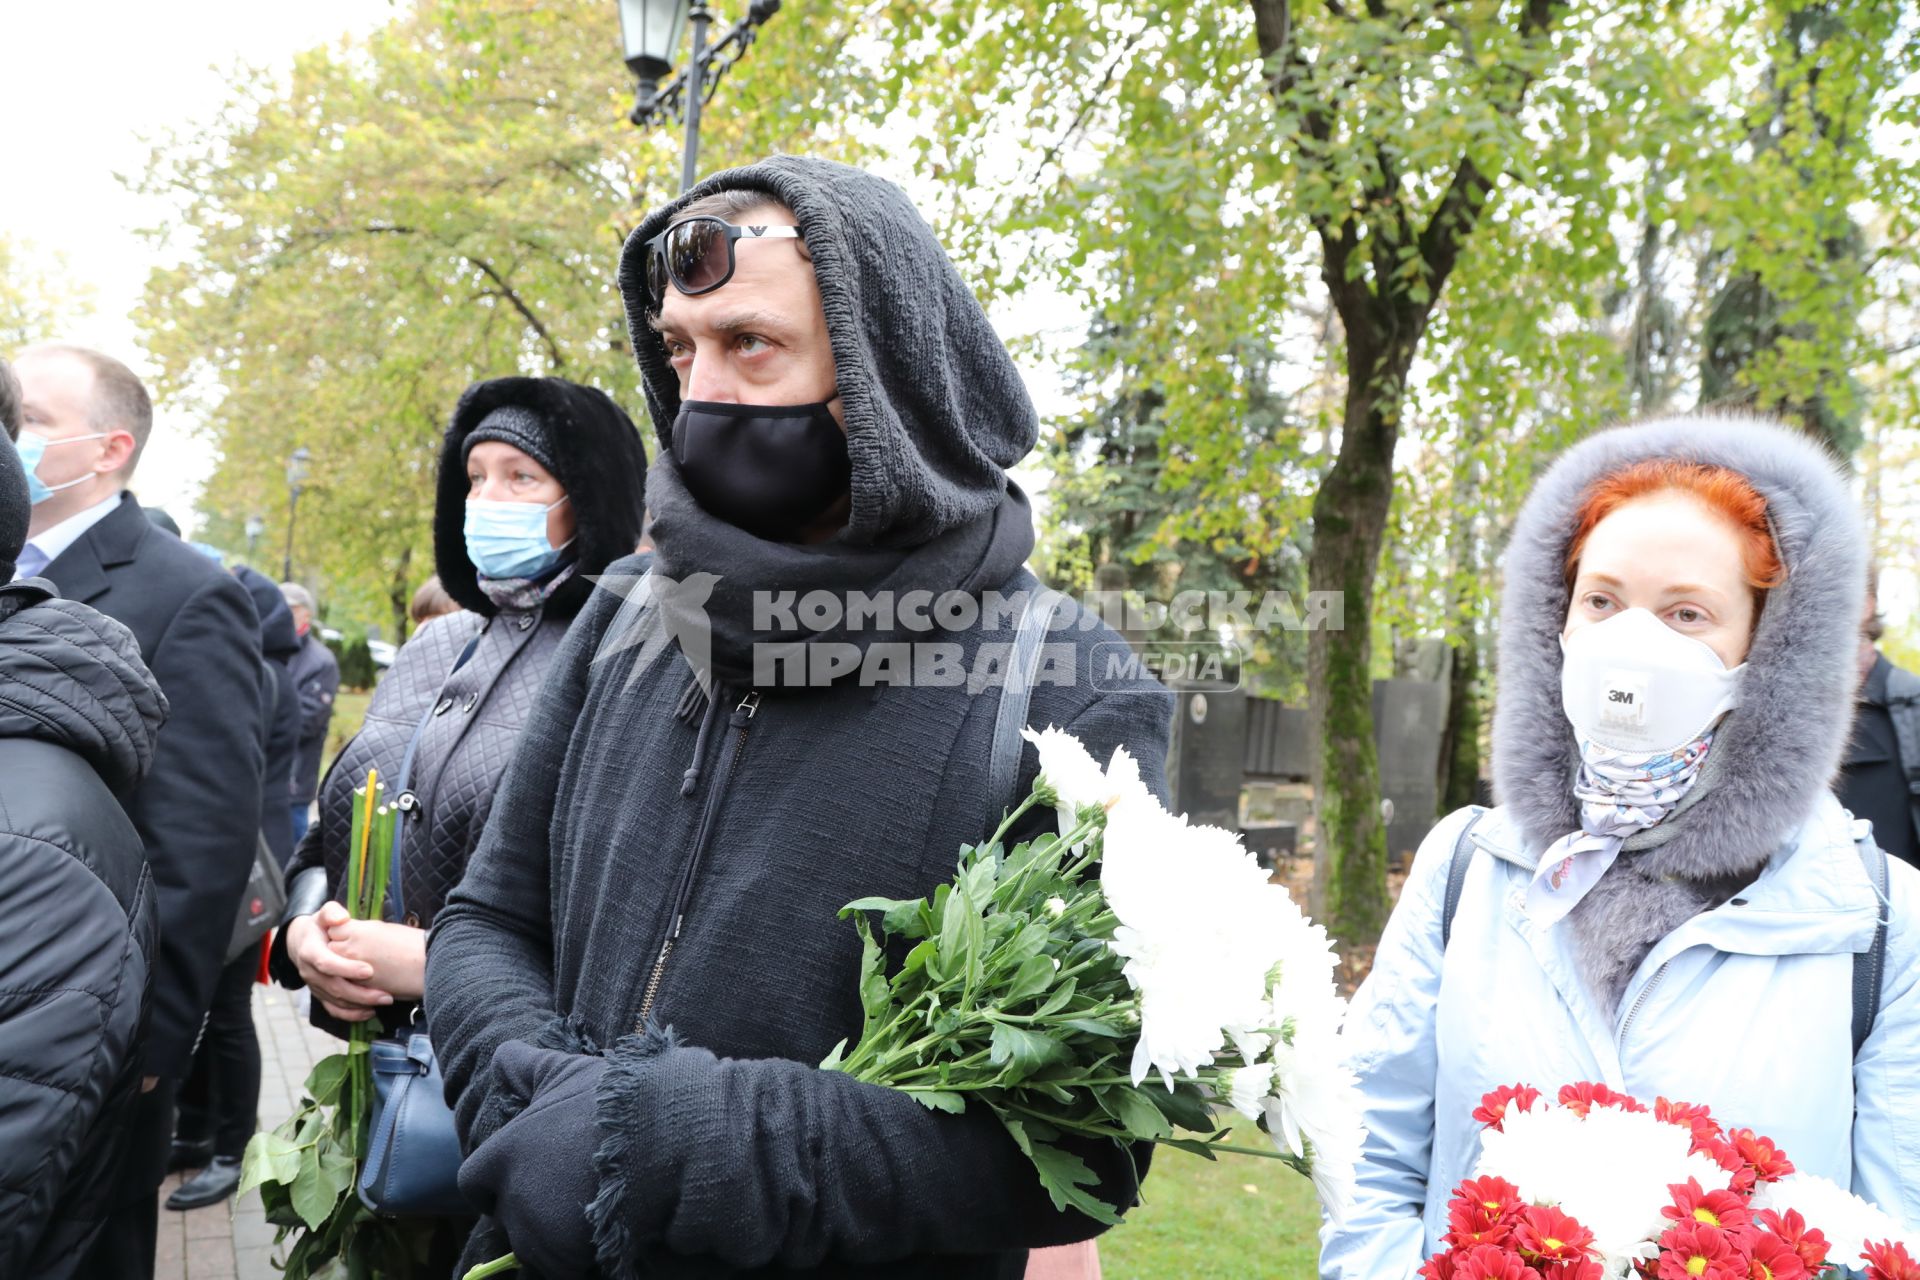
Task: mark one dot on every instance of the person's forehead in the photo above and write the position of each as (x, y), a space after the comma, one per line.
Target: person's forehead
(50, 376)
(1655, 536)
(769, 277)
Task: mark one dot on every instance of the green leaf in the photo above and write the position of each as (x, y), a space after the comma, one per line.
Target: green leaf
(1034, 976)
(1064, 1175)
(313, 1192)
(324, 1081)
(1022, 1052)
(1135, 1111)
(1096, 1027)
(875, 994)
(832, 1061)
(1184, 1106)
(337, 1169)
(939, 1100)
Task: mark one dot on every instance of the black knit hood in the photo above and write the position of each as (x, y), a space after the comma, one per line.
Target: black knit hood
(278, 639)
(935, 409)
(72, 676)
(598, 458)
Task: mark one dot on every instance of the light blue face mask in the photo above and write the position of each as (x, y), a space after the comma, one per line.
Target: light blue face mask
(509, 539)
(34, 447)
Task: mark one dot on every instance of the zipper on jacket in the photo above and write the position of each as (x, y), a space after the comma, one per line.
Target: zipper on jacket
(740, 721)
(1639, 1000)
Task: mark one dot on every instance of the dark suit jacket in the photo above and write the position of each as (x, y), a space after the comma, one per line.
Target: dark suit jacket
(198, 810)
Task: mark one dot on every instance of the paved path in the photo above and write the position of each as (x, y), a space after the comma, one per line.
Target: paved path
(230, 1241)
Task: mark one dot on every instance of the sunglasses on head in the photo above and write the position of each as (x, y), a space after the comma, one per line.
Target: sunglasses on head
(697, 255)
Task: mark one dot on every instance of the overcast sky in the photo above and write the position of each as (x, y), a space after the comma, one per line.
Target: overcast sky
(82, 85)
(89, 85)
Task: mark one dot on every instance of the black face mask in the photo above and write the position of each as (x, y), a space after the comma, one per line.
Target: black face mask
(769, 469)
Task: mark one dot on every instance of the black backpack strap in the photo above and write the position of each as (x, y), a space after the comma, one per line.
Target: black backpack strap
(1457, 874)
(1038, 606)
(1870, 965)
(1903, 708)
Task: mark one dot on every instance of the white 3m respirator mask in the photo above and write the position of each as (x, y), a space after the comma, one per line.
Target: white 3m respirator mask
(1632, 683)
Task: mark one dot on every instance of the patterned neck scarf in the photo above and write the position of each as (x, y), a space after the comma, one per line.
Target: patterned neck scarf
(1620, 792)
(523, 595)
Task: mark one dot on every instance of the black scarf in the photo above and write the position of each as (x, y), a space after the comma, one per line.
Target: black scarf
(974, 556)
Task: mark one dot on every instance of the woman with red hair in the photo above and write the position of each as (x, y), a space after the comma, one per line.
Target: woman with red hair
(1667, 900)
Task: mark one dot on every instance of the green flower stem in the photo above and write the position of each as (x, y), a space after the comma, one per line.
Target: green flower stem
(499, 1266)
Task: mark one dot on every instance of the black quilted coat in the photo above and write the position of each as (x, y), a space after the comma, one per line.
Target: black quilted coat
(469, 721)
(78, 715)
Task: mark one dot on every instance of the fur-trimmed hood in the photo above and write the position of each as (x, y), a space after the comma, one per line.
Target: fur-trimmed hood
(598, 458)
(935, 409)
(1772, 757)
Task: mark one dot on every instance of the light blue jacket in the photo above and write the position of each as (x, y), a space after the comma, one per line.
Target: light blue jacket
(1746, 1009)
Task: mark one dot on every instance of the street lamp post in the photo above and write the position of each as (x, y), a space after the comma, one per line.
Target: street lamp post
(296, 478)
(255, 527)
(650, 33)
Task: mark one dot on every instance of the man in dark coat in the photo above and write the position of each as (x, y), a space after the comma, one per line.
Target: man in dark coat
(316, 678)
(1884, 750)
(220, 1101)
(683, 819)
(198, 810)
(79, 713)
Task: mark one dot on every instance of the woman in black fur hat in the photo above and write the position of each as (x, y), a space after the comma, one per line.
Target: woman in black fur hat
(540, 488)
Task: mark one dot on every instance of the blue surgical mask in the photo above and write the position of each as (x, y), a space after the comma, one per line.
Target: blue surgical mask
(32, 448)
(509, 539)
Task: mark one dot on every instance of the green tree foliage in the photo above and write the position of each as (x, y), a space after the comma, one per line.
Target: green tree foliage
(37, 299)
(440, 203)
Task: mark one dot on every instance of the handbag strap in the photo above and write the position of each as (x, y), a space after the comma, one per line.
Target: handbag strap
(1038, 606)
(406, 800)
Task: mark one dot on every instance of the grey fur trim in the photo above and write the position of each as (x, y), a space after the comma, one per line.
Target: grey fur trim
(623, 1094)
(1776, 753)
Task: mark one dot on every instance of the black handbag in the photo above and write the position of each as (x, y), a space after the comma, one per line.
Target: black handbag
(412, 1166)
(261, 904)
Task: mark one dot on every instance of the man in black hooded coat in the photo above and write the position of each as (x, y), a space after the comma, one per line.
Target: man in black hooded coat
(673, 840)
(79, 714)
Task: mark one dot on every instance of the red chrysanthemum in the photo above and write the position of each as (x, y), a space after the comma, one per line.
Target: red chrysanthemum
(1489, 1262)
(1583, 1097)
(1768, 1162)
(1544, 1234)
(1740, 1175)
(1774, 1259)
(1809, 1244)
(1889, 1260)
(1493, 1106)
(1695, 1251)
(1438, 1267)
(1722, 1209)
(1571, 1269)
(1698, 1120)
(1482, 1212)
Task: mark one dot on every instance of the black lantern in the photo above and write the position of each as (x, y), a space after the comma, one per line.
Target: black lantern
(649, 36)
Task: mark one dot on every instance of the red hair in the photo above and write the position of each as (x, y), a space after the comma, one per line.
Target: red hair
(1721, 490)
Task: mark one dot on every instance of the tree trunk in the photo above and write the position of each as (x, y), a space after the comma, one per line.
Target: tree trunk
(1349, 525)
(1460, 739)
(400, 595)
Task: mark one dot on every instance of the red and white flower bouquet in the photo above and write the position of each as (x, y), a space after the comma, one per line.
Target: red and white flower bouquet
(1600, 1187)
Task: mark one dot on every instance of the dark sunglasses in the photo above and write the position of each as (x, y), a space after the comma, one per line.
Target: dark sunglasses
(697, 255)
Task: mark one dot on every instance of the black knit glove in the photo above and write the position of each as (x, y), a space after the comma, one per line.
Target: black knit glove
(535, 1176)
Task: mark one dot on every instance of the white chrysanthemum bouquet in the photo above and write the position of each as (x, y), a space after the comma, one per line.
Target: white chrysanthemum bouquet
(1127, 1005)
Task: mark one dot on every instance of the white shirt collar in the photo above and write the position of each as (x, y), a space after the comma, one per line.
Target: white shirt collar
(52, 542)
